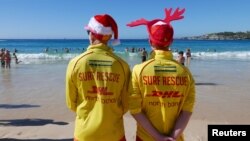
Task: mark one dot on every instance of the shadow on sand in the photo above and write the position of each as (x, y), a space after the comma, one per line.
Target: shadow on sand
(206, 83)
(10, 139)
(9, 106)
(29, 122)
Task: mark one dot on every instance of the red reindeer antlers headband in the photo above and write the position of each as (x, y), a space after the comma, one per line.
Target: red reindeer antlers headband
(160, 30)
(177, 15)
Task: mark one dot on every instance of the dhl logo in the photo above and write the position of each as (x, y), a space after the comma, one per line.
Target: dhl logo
(100, 90)
(167, 94)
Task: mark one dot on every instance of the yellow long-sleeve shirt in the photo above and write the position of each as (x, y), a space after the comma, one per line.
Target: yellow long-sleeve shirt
(162, 88)
(97, 90)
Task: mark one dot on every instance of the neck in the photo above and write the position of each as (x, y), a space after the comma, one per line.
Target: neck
(94, 42)
(161, 48)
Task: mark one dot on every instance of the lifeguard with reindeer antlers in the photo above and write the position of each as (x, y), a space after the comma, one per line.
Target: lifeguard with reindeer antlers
(161, 106)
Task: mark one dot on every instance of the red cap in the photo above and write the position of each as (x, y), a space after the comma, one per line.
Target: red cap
(161, 34)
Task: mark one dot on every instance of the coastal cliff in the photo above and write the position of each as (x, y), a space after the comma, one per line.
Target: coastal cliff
(222, 36)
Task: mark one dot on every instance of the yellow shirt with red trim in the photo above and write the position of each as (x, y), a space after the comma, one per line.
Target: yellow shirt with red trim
(97, 90)
(162, 88)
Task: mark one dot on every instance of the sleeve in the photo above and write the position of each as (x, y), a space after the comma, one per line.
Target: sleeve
(190, 99)
(135, 98)
(126, 90)
(71, 90)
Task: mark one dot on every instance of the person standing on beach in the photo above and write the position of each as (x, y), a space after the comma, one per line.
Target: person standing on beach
(188, 55)
(97, 85)
(181, 58)
(163, 94)
(144, 55)
(7, 58)
(2, 54)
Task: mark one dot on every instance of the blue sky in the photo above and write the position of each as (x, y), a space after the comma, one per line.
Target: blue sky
(55, 19)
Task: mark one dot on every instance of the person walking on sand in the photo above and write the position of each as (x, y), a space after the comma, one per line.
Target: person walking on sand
(16, 59)
(163, 94)
(97, 85)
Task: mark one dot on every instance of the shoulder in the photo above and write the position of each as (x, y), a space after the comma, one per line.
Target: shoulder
(80, 57)
(140, 67)
(119, 59)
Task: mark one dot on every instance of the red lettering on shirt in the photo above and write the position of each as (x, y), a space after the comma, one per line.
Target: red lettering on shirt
(168, 94)
(151, 80)
(100, 90)
(100, 76)
(177, 81)
(86, 76)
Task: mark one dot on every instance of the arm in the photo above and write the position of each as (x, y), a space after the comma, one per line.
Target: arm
(181, 124)
(146, 124)
(126, 90)
(71, 90)
(186, 112)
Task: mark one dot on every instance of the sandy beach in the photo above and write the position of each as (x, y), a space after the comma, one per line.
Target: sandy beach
(32, 101)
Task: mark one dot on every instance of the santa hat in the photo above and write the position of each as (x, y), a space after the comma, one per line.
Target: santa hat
(102, 25)
(160, 31)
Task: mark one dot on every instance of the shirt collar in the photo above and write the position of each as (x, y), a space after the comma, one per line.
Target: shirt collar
(160, 54)
(99, 46)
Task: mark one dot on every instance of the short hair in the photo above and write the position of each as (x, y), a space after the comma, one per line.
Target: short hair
(181, 52)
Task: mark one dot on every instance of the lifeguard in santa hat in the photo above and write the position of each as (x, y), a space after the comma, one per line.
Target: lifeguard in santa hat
(97, 85)
(163, 93)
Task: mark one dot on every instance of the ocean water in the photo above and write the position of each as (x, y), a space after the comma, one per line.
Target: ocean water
(33, 51)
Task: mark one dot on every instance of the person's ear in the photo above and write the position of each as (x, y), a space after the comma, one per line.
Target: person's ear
(106, 37)
(93, 37)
